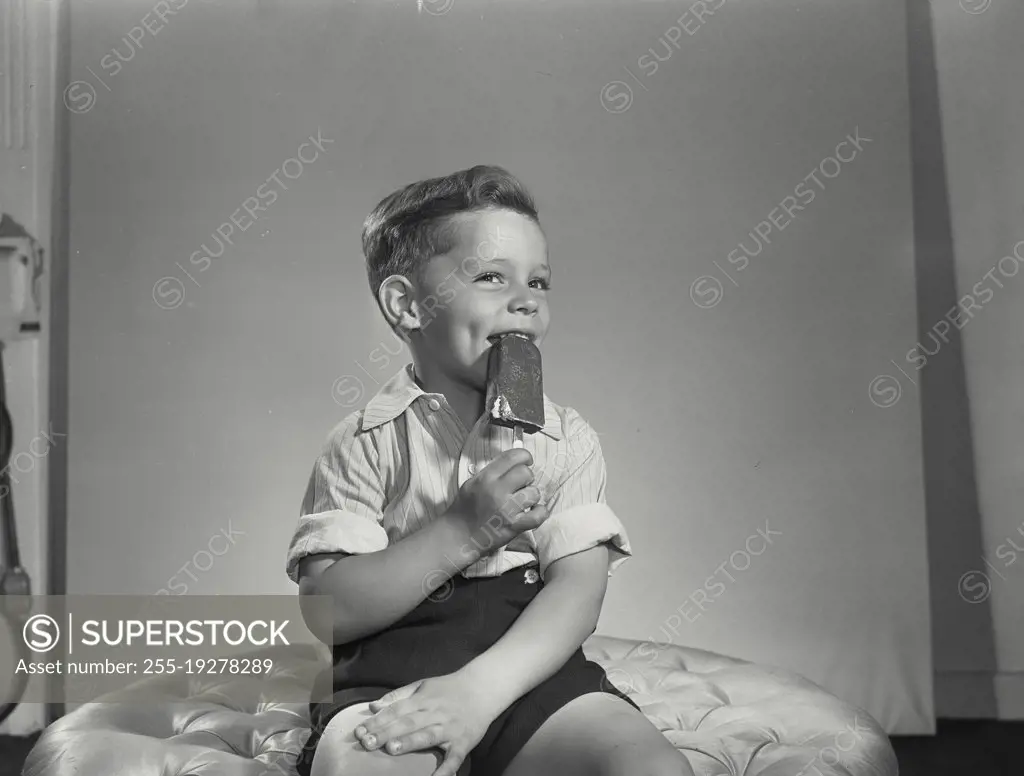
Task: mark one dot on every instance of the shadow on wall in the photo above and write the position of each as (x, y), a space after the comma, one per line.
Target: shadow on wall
(962, 626)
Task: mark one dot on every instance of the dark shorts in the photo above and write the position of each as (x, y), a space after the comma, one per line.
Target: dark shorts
(458, 621)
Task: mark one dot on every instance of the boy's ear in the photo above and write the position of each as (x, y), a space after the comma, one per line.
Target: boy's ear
(397, 301)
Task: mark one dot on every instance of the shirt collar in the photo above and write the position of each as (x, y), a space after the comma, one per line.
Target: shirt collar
(395, 396)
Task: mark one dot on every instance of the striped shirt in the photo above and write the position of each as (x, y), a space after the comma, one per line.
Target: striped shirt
(389, 469)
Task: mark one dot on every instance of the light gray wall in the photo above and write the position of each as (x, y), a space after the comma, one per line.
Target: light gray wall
(714, 419)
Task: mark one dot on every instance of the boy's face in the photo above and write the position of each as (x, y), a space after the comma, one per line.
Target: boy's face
(494, 281)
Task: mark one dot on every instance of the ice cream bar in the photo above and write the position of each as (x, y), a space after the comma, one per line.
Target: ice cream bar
(515, 389)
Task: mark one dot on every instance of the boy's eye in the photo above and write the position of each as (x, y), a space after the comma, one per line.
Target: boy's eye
(540, 283)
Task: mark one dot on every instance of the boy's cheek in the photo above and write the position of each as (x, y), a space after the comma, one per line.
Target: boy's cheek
(428, 309)
(444, 293)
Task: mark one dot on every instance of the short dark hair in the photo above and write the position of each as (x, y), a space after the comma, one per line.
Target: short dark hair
(414, 223)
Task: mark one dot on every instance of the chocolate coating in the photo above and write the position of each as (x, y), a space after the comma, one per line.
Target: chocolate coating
(515, 387)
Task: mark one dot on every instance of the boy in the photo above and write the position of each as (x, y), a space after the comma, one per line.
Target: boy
(465, 575)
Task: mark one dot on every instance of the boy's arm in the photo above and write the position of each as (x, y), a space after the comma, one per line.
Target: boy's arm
(551, 628)
(412, 567)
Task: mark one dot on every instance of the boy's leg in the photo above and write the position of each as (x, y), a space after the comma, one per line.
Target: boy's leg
(598, 734)
(339, 753)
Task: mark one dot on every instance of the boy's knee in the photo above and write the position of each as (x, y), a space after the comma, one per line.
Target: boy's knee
(667, 762)
(339, 752)
(662, 761)
(347, 720)
(677, 766)
(338, 744)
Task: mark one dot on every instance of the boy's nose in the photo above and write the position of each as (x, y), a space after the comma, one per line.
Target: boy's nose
(528, 306)
(523, 302)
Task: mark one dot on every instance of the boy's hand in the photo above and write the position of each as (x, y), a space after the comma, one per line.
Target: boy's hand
(499, 502)
(448, 712)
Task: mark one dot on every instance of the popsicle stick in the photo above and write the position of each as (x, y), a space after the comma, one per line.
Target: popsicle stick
(517, 441)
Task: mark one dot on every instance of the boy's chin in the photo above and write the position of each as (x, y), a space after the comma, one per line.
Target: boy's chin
(476, 376)
(479, 381)
(470, 375)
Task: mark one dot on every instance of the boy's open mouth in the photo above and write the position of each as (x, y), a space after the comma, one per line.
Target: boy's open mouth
(493, 339)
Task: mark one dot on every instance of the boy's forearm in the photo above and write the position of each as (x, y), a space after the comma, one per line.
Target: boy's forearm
(374, 590)
(551, 628)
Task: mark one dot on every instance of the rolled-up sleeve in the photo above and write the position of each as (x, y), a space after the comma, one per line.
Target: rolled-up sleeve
(579, 516)
(343, 508)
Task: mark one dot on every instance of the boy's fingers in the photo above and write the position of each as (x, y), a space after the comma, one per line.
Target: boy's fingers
(426, 737)
(404, 728)
(523, 499)
(386, 715)
(506, 460)
(452, 762)
(533, 518)
(517, 477)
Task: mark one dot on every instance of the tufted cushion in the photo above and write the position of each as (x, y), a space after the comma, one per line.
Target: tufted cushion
(730, 717)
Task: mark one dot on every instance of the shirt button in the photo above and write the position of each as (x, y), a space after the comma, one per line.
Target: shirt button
(434, 404)
(471, 469)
